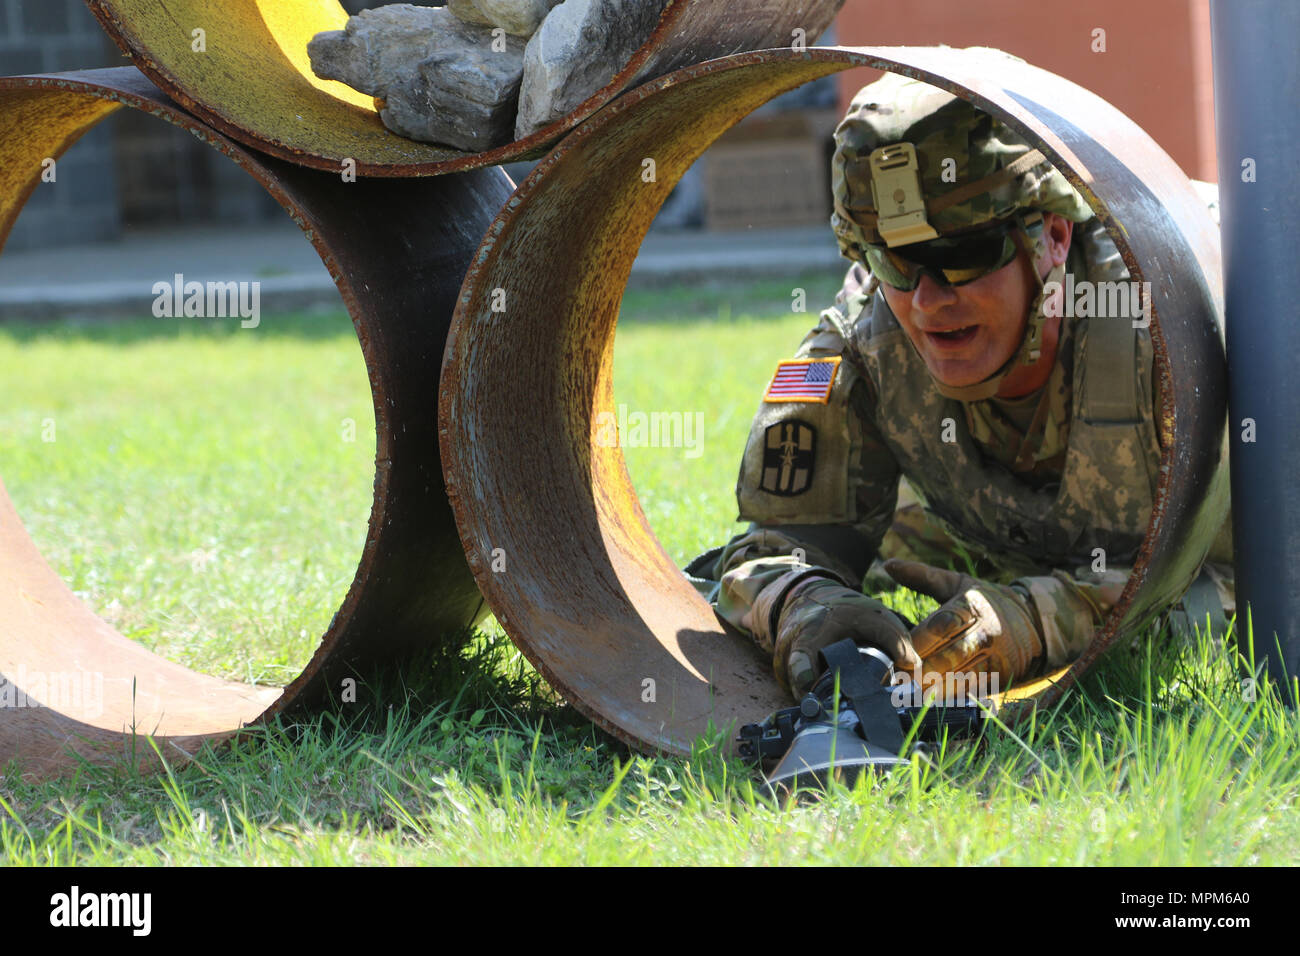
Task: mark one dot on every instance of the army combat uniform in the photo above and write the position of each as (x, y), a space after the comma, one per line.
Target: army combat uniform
(1020, 484)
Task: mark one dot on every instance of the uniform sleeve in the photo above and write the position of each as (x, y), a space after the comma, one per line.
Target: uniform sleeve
(829, 521)
(1072, 606)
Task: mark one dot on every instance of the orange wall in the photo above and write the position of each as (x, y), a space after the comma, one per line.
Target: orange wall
(1156, 67)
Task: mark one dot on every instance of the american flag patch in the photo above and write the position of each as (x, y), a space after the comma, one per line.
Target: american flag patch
(803, 380)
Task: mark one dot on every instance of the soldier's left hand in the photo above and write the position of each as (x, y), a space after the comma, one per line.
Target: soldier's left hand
(979, 627)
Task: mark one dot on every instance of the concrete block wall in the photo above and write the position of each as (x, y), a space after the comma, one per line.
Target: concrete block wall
(131, 171)
(50, 36)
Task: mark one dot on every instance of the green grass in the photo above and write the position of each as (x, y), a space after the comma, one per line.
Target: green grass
(198, 491)
(200, 495)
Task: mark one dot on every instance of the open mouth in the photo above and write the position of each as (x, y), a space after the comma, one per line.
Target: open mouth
(954, 336)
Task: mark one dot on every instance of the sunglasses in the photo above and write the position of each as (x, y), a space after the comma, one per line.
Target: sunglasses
(955, 260)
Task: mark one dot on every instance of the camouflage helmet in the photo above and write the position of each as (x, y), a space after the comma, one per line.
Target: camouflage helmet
(972, 168)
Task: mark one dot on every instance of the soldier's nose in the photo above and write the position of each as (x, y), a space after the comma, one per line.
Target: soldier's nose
(929, 295)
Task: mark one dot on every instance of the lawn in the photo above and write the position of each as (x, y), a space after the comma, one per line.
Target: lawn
(207, 488)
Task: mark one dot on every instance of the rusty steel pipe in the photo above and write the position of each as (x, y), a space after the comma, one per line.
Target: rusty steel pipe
(254, 82)
(586, 590)
(398, 251)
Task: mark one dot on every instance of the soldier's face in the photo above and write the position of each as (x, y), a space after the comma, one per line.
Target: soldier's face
(967, 332)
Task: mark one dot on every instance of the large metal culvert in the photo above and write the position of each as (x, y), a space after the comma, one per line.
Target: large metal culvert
(254, 83)
(583, 587)
(398, 251)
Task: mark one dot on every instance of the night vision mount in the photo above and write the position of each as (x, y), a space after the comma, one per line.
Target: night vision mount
(864, 727)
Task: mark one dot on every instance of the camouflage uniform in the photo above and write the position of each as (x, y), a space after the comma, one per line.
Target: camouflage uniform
(1051, 491)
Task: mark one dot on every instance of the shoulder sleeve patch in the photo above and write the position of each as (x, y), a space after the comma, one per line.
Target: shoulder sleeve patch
(789, 454)
(803, 380)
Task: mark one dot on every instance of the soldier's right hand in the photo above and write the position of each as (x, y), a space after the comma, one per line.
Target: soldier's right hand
(816, 613)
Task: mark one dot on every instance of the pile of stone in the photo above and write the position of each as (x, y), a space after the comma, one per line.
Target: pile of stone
(482, 73)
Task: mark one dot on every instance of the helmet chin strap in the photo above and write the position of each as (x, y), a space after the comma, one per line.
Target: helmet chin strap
(1031, 345)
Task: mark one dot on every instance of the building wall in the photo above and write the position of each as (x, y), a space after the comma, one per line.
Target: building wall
(1155, 68)
(50, 36)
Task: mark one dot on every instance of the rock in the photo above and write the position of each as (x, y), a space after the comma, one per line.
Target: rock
(464, 97)
(437, 78)
(580, 46)
(375, 45)
(517, 17)
(468, 11)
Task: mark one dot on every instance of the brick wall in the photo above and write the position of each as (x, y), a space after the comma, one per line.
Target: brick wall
(1155, 65)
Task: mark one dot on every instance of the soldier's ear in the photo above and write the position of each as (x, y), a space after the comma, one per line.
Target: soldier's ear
(1057, 231)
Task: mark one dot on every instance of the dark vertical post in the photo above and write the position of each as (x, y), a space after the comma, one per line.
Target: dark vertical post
(1257, 118)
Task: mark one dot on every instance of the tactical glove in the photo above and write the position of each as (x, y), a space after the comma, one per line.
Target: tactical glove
(1012, 630)
(817, 612)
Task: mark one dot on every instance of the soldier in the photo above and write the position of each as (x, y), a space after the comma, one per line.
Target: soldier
(947, 409)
